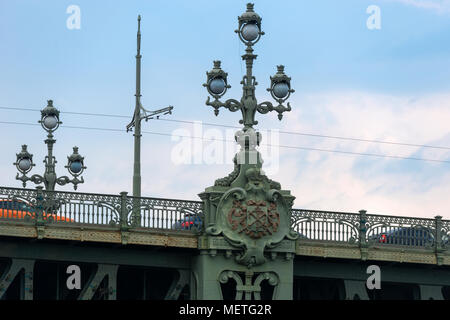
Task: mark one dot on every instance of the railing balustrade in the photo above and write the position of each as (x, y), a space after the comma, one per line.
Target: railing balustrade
(123, 211)
(99, 209)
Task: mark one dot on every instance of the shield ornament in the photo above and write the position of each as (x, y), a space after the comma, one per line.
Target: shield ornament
(255, 218)
(252, 218)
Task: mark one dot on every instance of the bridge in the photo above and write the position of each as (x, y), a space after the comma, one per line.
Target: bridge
(242, 241)
(148, 248)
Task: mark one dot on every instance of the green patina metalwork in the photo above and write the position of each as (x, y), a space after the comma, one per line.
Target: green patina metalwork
(90, 209)
(246, 228)
(248, 104)
(140, 113)
(217, 261)
(50, 122)
(246, 209)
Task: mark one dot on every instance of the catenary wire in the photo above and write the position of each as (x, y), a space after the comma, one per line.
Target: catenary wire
(236, 127)
(225, 140)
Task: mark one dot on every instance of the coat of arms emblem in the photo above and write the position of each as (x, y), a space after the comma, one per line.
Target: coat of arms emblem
(254, 218)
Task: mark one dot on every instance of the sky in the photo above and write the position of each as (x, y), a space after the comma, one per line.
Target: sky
(387, 84)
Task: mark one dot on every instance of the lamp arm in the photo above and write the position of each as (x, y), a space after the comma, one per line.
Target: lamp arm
(231, 104)
(37, 179)
(266, 106)
(65, 180)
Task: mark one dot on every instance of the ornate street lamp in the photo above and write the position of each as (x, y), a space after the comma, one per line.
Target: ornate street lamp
(249, 31)
(247, 208)
(24, 163)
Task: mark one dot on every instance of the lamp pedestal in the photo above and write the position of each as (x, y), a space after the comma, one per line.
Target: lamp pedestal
(247, 231)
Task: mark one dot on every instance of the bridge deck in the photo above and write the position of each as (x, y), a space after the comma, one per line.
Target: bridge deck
(119, 219)
(186, 239)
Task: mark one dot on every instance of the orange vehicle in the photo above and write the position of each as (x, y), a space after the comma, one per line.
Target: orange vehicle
(19, 209)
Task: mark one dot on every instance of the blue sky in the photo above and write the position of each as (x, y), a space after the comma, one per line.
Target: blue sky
(388, 84)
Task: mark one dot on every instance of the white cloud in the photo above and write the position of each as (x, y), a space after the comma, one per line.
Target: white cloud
(340, 182)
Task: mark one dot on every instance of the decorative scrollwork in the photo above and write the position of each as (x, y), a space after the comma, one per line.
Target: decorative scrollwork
(249, 287)
(65, 180)
(225, 276)
(90, 208)
(37, 179)
(226, 181)
(18, 205)
(367, 228)
(155, 202)
(271, 278)
(408, 231)
(325, 225)
(399, 221)
(231, 104)
(266, 106)
(445, 234)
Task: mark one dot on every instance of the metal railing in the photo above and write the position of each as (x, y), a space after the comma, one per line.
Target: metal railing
(98, 209)
(325, 225)
(124, 212)
(370, 229)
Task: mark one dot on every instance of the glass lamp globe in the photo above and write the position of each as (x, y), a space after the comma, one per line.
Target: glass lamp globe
(24, 164)
(217, 85)
(281, 90)
(75, 166)
(50, 122)
(250, 31)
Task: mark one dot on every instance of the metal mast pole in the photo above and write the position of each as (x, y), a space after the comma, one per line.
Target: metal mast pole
(137, 116)
(140, 113)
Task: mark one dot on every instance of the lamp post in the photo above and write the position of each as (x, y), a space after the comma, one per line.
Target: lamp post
(140, 113)
(249, 32)
(246, 208)
(24, 163)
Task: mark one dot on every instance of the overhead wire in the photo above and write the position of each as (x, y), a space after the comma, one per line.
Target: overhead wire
(236, 127)
(225, 140)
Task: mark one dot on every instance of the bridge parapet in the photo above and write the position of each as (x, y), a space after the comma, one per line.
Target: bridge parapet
(371, 229)
(74, 208)
(128, 218)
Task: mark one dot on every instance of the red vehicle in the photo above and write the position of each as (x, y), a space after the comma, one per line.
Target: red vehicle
(188, 222)
(19, 209)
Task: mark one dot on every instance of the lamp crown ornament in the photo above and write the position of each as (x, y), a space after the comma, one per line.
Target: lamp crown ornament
(75, 163)
(24, 153)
